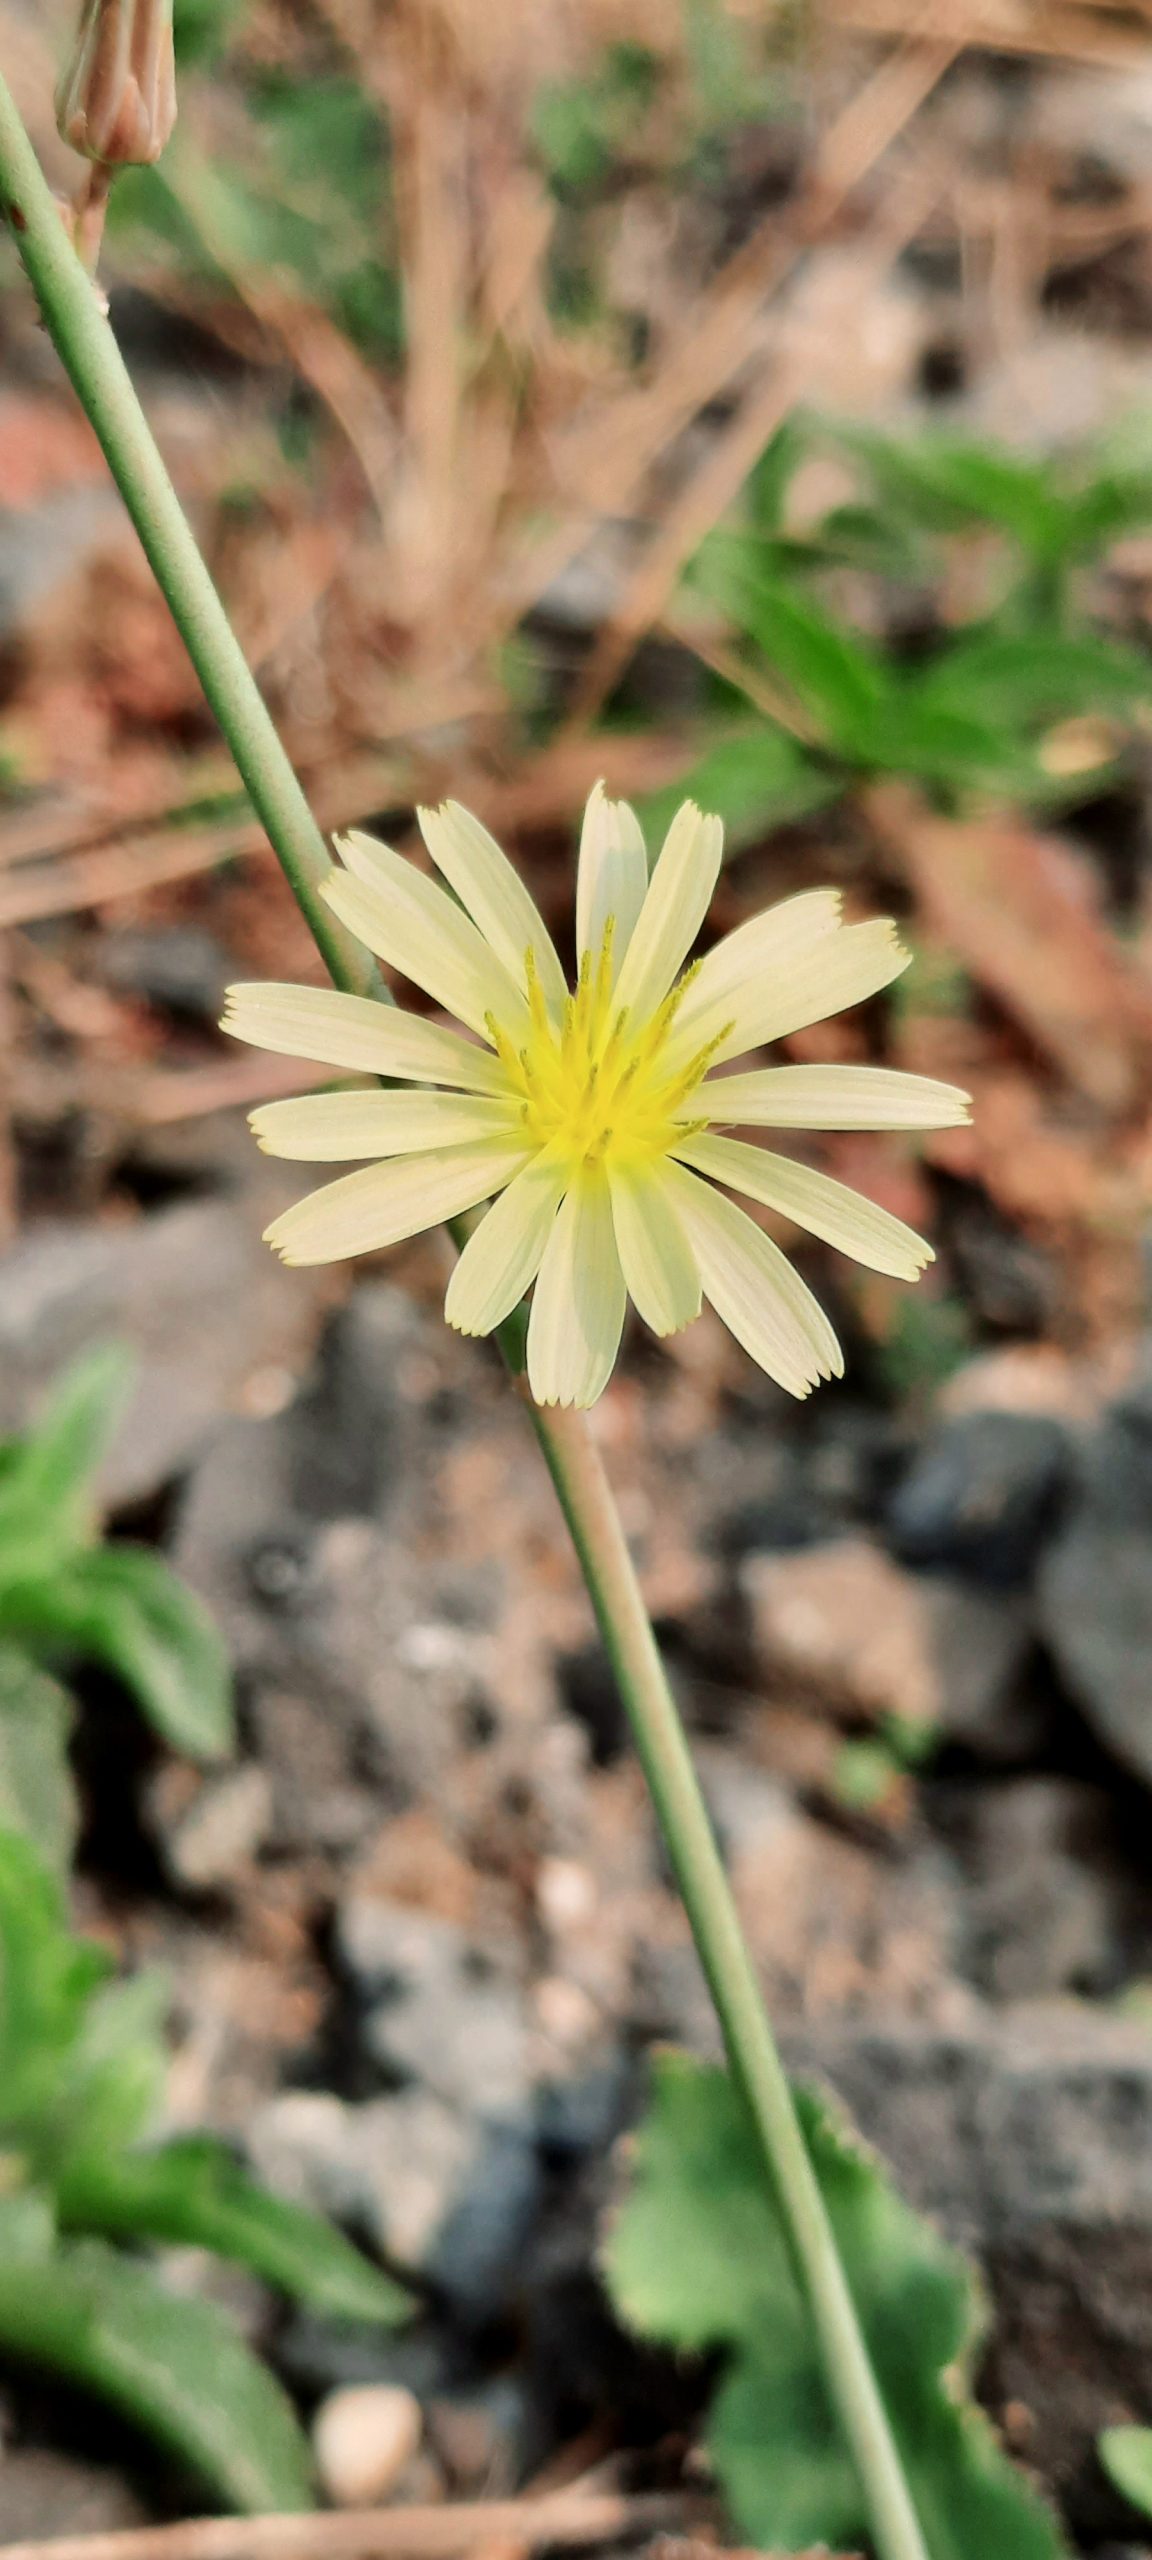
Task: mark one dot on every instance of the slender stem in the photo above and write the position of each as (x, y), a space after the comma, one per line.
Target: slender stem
(89, 354)
(88, 350)
(589, 1508)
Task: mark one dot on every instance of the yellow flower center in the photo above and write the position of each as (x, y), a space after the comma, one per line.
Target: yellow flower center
(599, 1088)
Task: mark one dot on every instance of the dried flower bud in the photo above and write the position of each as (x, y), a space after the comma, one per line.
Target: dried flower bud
(117, 98)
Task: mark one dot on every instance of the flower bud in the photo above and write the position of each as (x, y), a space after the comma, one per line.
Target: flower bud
(117, 98)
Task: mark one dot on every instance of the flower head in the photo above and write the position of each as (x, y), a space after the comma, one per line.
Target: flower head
(590, 1118)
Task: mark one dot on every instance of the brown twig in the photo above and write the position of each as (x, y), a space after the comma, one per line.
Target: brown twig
(571, 2521)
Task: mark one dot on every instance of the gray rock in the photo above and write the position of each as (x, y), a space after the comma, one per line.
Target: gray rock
(1095, 1593)
(443, 2197)
(394, 2166)
(338, 1631)
(443, 2009)
(1096, 1613)
(981, 1641)
(1044, 1912)
(870, 1639)
(317, 2355)
(207, 1309)
(208, 1841)
(361, 1427)
(984, 1496)
(178, 967)
(44, 2494)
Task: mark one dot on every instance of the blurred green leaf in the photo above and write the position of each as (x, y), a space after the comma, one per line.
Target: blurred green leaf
(1027, 680)
(116, 2075)
(753, 779)
(192, 2191)
(581, 127)
(942, 481)
(833, 675)
(123, 1607)
(1126, 2453)
(46, 1499)
(47, 1979)
(698, 2259)
(202, 27)
(37, 1793)
(940, 743)
(172, 2364)
(1111, 503)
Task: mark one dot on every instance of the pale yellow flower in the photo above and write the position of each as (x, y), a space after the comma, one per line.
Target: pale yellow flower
(591, 1119)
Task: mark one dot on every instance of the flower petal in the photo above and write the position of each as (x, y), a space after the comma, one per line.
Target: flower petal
(658, 1263)
(753, 1287)
(678, 898)
(502, 1257)
(833, 1098)
(579, 1300)
(830, 971)
(611, 875)
(360, 1033)
(740, 968)
(323, 1127)
(385, 1202)
(843, 1217)
(408, 921)
(495, 896)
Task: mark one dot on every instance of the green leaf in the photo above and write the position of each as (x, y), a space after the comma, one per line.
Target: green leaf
(117, 2073)
(122, 1606)
(61, 1454)
(1112, 502)
(940, 480)
(1126, 2453)
(1023, 682)
(192, 2191)
(172, 2364)
(698, 2259)
(37, 1794)
(754, 779)
(47, 1979)
(944, 744)
(835, 677)
(46, 1502)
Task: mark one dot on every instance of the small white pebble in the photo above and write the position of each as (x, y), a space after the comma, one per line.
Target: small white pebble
(362, 2438)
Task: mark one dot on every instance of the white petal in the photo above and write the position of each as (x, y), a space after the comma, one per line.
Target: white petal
(385, 1202)
(833, 1098)
(738, 971)
(502, 1258)
(831, 971)
(611, 875)
(406, 920)
(494, 895)
(659, 1266)
(843, 1217)
(324, 1127)
(359, 1033)
(753, 1287)
(678, 898)
(579, 1300)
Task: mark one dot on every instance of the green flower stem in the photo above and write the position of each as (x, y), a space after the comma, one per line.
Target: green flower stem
(593, 1519)
(90, 356)
(88, 350)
